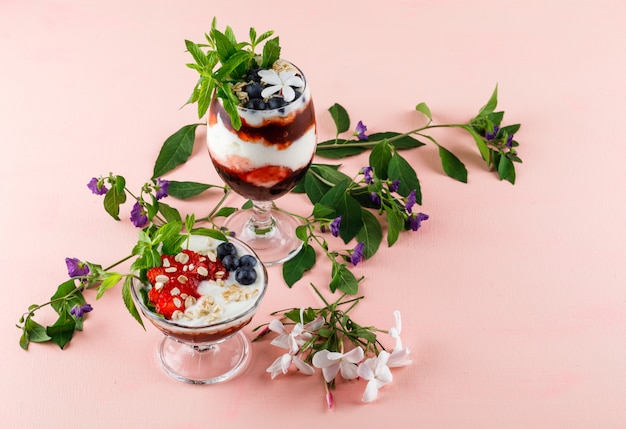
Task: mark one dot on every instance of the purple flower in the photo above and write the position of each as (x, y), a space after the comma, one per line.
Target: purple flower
(360, 131)
(138, 216)
(410, 202)
(375, 198)
(393, 186)
(357, 253)
(367, 174)
(509, 141)
(76, 268)
(492, 135)
(415, 220)
(80, 310)
(161, 188)
(97, 187)
(334, 226)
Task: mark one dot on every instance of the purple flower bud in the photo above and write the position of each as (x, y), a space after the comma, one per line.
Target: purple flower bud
(367, 174)
(334, 226)
(357, 253)
(138, 216)
(76, 268)
(492, 135)
(415, 220)
(80, 310)
(360, 130)
(410, 202)
(97, 186)
(393, 186)
(375, 199)
(161, 188)
(509, 141)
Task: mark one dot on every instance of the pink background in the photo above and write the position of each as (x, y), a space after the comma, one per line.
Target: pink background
(513, 297)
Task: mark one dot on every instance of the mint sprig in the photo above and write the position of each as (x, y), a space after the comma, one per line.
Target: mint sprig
(223, 61)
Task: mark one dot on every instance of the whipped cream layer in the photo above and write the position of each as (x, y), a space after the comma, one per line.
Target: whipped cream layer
(270, 146)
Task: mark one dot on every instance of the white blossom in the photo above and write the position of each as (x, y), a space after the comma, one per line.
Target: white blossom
(332, 362)
(377, 374)
(280, 83)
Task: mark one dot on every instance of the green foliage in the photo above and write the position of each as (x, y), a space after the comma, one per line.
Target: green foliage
(223, 61)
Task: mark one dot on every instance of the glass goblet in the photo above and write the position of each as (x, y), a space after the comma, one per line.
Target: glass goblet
(263, 161)
(204, 353)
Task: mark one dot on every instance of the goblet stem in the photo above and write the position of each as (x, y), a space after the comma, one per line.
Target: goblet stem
(262, 221)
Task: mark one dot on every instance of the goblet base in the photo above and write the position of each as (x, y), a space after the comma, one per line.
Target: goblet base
(204, 363)
(273, 245)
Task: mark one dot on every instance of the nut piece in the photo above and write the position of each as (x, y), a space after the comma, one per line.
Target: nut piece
(182, 258)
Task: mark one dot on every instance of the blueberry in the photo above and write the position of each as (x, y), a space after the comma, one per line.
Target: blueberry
(226, 249)
(231, 262)
(247, 260)
(253, 75)
(254, 90)
(245, 275)
(276, 102)
(256, 104)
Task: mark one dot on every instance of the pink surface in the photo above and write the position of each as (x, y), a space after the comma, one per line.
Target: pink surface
(513, 297)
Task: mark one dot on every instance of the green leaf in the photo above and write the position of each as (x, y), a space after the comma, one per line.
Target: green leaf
(331, 173)
(204, 94)
(491, 104)
(480, 143)
(333, 150)
(112, 202)
(175, 151)
(347, 207)
(225, 212)
(231, 64)
(371, 233)
(225, 47)
(209, 232)
(36, 333)
(401, 170)
(169, 213)
(343, 280)
(321, 211)
(315, 189)
(24, 340)
(63, 329)
(184, 190)
(379, 159)
(302, 232)
(128, 300)
(506, 169)
(340, 117)
(271, 52)
(452, 165)
(398, 140)
(294, 269)
(423, 109)
(110, 280)
(66, 296)
(395, 225)
(198, 55)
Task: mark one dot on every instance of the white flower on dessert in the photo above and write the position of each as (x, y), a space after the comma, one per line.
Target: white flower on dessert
(332, 362)
(282, 364)
(377, 374)
(399, 355)
(280, 82)
(300, 334)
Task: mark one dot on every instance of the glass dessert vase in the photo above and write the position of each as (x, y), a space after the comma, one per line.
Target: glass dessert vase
(264, 159)
(204, 353)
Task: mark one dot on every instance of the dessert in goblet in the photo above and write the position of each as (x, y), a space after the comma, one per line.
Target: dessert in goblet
(267, 156)
(200, 299)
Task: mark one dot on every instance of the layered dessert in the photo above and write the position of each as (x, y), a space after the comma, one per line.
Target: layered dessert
(275, 144)
(208, 290)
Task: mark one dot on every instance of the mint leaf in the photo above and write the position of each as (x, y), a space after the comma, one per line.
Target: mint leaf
(175, 150)
(271, 52)
(294, 269)
(128, 300)
(109, 280)
(491, 104)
